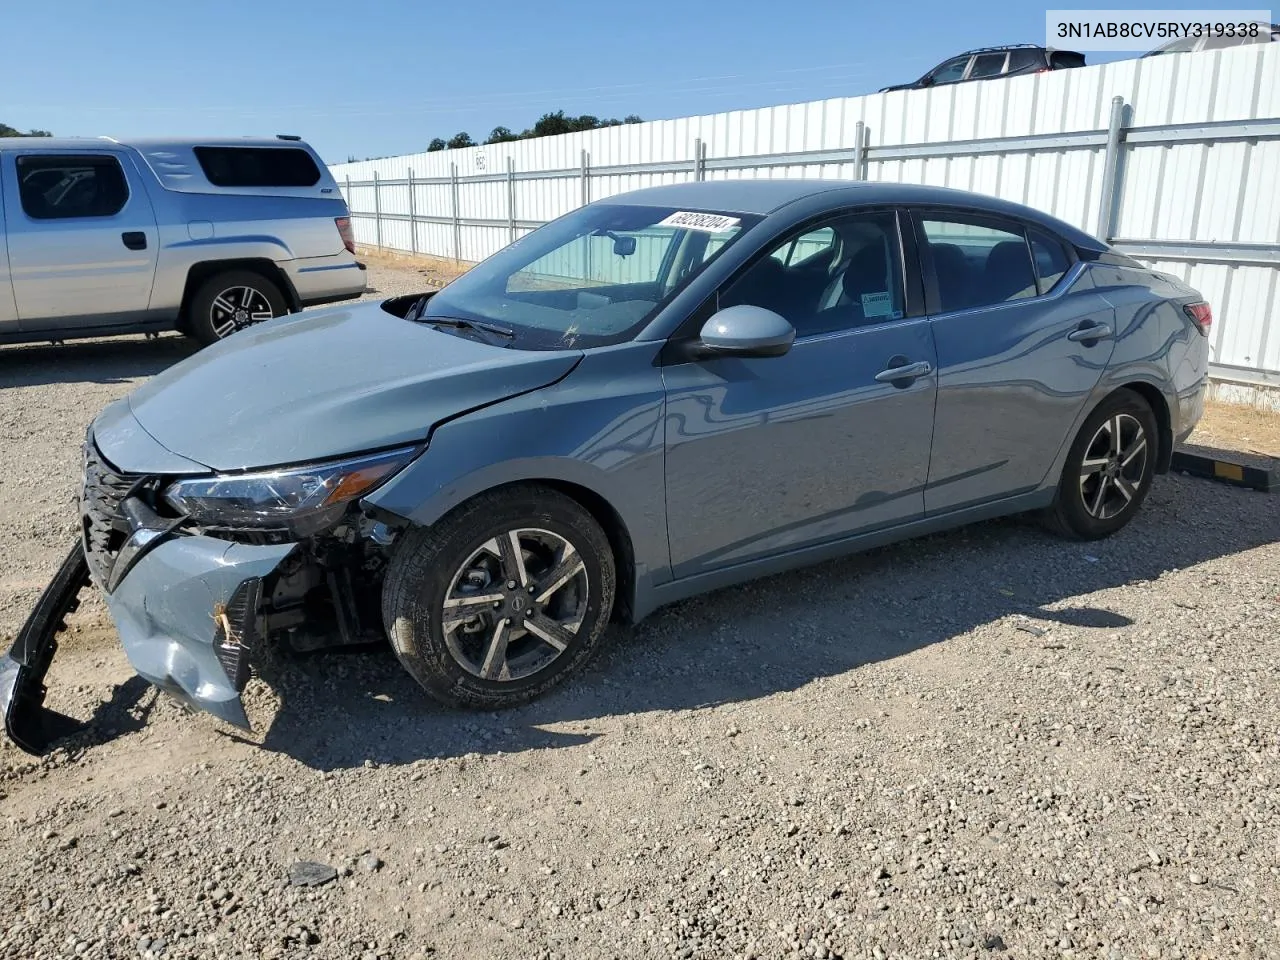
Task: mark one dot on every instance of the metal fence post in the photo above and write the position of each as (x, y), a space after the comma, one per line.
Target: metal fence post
(413, 215)
(698, 172)
(1110, 170)
(511, 199)
(859, 151)
(457, 225)
(586, 178)
(377, 210)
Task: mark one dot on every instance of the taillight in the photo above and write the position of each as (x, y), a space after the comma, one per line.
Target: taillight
(1201, 314)
(344, 231)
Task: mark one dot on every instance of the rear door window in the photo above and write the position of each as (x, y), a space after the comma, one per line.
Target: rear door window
(258, 166)
(987, 65)
(1025, 60)
(978, 262)
(71, 186)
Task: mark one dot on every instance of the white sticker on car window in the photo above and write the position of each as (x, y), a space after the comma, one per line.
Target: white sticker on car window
(707, 222)
(878, 304)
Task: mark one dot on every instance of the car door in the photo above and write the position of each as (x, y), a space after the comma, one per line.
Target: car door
(8, 310)
(81, 238)
(767, 455)
(1016, 361)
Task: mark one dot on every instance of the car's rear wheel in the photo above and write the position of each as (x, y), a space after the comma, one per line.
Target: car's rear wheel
(231, 301)
(1108, 471)
(502, 599)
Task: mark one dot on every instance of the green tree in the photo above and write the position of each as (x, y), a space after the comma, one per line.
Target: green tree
(8, 131)
(547, 125)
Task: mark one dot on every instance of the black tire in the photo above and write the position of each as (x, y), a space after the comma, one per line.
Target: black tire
(249, 293)
(1095, 501)
(454, 560)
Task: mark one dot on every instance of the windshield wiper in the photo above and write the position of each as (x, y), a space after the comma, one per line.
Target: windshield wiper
(459, 324)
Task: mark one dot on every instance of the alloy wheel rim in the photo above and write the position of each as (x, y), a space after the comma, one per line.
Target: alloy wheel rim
(515, 605)
(237, 307)
(1114, 464)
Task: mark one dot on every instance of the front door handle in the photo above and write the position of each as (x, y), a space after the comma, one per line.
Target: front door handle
(904, 373)
(134, 239)
(1090, 334)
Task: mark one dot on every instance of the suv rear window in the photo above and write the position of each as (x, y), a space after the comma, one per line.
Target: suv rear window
(258, 166)
(1065, 59)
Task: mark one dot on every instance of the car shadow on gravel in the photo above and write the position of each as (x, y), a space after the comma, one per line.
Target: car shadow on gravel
(118, 360)
(780, 633)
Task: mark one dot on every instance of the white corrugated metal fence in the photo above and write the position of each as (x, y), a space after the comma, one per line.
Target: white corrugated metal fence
(1182, 172)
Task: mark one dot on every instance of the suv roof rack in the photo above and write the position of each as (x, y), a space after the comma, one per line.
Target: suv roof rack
(1004, 46)
(287, 136)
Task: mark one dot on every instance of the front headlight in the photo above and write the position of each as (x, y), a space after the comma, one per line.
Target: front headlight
(301, 499)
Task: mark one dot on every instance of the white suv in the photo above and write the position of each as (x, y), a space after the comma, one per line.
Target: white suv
(101, 237)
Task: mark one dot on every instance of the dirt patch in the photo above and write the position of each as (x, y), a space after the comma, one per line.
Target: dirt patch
(1243, 429)
(982, 740)
(434, 271)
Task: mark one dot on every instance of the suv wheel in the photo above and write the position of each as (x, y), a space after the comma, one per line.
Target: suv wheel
(231, 301)
(502, 599)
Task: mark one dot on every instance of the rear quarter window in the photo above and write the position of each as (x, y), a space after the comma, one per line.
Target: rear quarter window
(1050, 259)
(257, 166)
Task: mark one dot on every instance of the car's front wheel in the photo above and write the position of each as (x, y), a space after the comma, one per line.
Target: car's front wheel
(231, 301)
(500, 600)
(1109, 469)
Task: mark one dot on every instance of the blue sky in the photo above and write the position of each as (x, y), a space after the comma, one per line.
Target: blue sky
(385, 76)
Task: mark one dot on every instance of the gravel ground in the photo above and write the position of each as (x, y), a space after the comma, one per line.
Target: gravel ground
(985, 743)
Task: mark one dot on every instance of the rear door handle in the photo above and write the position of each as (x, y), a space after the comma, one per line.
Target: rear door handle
(905, 372)
(1099, 331)
(134, 239)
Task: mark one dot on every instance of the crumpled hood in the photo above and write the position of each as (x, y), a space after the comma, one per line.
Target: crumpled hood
(322, 384)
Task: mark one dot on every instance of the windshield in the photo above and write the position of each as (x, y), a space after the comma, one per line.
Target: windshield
(591, 278)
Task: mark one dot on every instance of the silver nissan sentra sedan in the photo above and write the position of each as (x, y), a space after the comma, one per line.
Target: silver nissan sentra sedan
(654, 396)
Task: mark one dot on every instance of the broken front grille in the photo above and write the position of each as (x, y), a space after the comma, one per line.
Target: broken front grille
(105, 528)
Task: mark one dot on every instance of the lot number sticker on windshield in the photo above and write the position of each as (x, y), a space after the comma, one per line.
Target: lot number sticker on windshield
(877, 304)
(708, 222)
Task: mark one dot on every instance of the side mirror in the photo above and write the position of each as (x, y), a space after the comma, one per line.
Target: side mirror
(745, 331)
(926, 81)
(624, 246)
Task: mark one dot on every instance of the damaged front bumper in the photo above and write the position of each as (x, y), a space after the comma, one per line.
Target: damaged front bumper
(187, 611)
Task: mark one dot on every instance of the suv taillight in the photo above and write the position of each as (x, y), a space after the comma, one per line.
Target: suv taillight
(344, 231)
(1201, 314)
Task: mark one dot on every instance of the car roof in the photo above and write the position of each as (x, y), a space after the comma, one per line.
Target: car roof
(730, 196)
(141, 143)
(764, 197)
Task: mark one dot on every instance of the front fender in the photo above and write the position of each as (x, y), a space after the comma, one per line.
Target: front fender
(600, 429)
